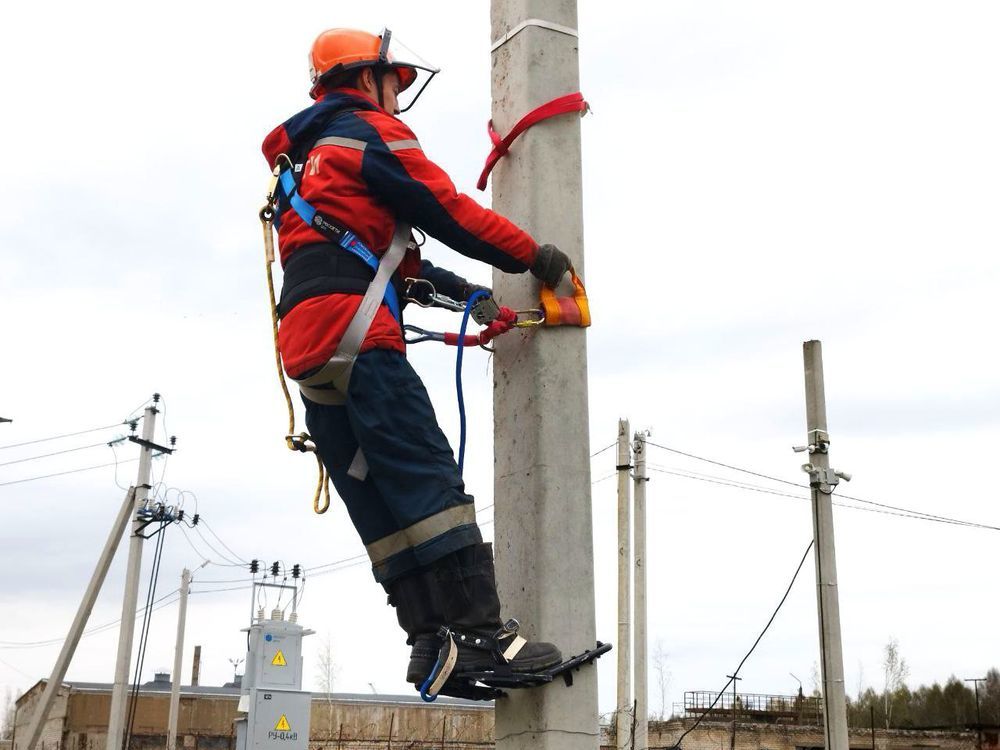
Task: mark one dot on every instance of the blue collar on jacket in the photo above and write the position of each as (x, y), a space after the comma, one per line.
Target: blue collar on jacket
(310, 122)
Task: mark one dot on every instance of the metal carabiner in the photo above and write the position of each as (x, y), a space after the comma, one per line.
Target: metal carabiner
(420, 335)
(538, 321)
(430, 298)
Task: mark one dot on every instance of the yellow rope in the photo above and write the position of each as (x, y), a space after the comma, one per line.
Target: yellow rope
(301, 442)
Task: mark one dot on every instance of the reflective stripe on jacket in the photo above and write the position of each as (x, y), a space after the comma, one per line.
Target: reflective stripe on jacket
(364, 168)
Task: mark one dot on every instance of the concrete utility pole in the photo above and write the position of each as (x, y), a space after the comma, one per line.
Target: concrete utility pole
(641, 739)
(175, 687)
(544, 542)
(80, 621)
(823, 480)
(116, 720)
(623, 720)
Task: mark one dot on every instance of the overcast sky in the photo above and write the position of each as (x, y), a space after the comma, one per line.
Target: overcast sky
(756, 174)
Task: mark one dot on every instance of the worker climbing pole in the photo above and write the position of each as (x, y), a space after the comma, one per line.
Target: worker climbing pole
(351, 196)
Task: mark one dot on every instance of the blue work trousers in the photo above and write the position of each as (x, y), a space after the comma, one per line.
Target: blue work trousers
(411, 509)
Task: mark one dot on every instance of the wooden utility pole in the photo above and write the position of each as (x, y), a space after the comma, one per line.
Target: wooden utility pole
(732, 737)
(822, 481)
(640, 740)
(623, 721)
(544, 541)
(979, 716)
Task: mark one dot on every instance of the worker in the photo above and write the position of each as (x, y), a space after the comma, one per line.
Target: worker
(364, 174)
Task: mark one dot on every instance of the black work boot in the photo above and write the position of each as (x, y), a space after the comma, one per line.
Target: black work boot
(415, 599)
(467, 598)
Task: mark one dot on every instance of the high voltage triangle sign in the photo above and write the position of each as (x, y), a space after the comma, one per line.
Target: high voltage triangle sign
(282, 725)
(279, 660)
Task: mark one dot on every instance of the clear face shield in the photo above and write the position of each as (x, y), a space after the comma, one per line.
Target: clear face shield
(414, 71)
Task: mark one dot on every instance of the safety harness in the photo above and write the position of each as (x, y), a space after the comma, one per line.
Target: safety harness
(328, 385)
(324, 269)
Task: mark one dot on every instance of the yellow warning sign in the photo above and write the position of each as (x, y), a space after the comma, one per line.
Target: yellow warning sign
(279, 660)
(282, 725)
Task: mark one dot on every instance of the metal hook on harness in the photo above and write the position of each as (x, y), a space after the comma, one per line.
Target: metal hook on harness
(422, 292)
(537, 320)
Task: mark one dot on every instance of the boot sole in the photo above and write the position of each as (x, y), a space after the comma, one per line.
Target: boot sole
(419, 669)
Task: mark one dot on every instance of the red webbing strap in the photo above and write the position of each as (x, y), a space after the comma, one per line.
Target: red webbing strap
(561, 106)
(503, 323)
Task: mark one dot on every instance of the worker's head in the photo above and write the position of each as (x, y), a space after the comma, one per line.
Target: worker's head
(369, 63)
(367, 81)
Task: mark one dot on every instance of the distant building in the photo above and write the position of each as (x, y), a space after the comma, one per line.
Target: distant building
(348, 721)
(340, 721)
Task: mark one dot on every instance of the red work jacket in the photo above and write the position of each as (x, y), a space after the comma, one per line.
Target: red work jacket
(372, 174)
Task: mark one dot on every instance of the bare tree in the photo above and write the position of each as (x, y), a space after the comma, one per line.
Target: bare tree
(895, 670)
(816, 679)
(7, 715)
(662, 675)
(326, 676)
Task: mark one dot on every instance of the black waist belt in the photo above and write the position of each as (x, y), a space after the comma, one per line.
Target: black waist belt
(319, 269)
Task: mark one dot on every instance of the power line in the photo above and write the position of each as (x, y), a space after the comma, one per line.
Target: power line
(202, 555)
(228, 548)
(736, 672)
(726, 466)
(59, 437)
(54, 453)
(158, 604)
(71, 471)
(908, 512)
(901, 513)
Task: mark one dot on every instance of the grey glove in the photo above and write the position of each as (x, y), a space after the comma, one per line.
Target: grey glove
(550, 265)
(468, 289)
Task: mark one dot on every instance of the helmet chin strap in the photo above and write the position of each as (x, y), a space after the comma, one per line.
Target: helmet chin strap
(377, 72)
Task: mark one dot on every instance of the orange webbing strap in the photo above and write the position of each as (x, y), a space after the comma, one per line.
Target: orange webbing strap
(566, 311)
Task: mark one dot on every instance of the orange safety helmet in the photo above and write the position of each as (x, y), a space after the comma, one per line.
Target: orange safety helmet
(338, 50)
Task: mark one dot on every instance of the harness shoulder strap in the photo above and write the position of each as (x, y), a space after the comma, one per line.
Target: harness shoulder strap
(337, 372)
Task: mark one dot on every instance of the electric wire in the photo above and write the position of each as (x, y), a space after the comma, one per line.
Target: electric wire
(97, 629)
(736, 673)
(208, 544)
(147, 620)
(200, 554)
(54, 453)
(887, 508)
(739, 485)
(229, 549)
(65, 435)
(71, 471)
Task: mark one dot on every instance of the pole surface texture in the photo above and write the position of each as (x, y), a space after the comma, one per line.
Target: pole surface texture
(828, 601)
(544, 539)
(623, 716)
(116, 719)
(175, 686)
(641, 739)
(80, 621)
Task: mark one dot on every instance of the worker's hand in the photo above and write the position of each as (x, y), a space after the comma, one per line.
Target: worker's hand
(468, 289)
(550, 265)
